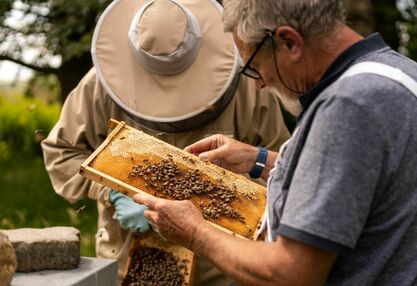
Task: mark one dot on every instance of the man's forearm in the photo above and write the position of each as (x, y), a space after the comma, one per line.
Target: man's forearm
(248, 262)
(284, 262)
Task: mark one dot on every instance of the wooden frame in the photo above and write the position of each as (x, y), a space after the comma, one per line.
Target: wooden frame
(96, 175)
(129, 190)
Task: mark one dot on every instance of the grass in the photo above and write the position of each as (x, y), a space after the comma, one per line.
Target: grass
(28, 200)
(26, 195)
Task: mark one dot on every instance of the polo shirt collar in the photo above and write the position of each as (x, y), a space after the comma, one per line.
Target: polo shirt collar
(343, 61)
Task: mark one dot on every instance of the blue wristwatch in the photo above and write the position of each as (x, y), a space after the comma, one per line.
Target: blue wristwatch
(259, 164)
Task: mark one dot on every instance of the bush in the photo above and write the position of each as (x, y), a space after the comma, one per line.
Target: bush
(23, 124)
(27, 197)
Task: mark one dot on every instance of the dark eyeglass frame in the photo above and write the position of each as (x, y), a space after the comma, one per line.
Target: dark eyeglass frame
(247, 70)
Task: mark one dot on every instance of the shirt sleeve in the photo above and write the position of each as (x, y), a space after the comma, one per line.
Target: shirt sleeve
(81, 128)
(334, 182)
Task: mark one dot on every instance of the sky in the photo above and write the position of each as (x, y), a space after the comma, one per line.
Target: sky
(9, 71)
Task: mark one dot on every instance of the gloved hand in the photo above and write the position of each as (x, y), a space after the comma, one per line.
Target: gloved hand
(129, 213)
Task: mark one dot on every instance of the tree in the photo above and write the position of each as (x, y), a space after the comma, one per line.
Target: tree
(368, 16)
(62, 29)
(387, 15)
(34, 33)
(359, 16)
(408, 30)
(395, 20)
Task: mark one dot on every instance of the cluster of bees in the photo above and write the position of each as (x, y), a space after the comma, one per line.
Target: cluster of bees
(166, 178)
(153, 266)
(216, 208)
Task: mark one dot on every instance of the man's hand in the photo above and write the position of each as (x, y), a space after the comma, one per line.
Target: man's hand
(178, 221)
(225, 152)
(285, 262)
(129, 214)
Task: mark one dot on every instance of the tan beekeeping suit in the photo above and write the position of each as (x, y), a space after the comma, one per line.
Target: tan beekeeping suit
(252, 117)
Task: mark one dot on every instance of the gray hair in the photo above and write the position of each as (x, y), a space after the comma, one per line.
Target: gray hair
(252, 18)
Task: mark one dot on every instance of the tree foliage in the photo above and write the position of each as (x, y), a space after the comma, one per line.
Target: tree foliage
(408, 30)
(54, 36)
(386, 16)
(395, 20)
(50, 36)
(359, 16)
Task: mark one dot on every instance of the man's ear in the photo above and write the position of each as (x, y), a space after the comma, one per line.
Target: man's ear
(290, 42)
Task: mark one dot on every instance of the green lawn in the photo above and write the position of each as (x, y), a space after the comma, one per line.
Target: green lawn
(28, 200)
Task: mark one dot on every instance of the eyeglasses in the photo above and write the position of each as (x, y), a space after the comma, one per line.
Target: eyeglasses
(247, 69)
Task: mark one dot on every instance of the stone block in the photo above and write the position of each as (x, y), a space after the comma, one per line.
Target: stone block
(47, 248)
(8, 263)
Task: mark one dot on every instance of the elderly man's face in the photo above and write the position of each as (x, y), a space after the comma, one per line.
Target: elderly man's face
(263, 63)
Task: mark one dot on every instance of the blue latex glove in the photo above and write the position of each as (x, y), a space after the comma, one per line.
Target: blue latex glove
(129, 213)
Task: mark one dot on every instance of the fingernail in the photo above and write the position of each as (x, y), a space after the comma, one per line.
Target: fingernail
(203, 156)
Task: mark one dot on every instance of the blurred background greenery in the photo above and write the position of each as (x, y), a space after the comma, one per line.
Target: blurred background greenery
(26, 196)
(52, 39)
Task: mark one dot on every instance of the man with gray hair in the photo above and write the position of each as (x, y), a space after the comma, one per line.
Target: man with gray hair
(342, 194)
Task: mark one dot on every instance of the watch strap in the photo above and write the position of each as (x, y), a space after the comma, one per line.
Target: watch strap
(259, 164)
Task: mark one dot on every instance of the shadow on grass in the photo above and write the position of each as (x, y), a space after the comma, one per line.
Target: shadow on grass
(28, 200)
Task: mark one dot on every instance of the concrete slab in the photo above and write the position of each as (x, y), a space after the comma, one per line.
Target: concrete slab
(45, 248)
(90, 272)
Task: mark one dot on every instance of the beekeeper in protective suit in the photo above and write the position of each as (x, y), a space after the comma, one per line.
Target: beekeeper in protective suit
(165, 67)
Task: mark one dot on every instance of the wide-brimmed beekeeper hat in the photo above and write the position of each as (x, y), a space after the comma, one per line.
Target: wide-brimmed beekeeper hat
(167, 63)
